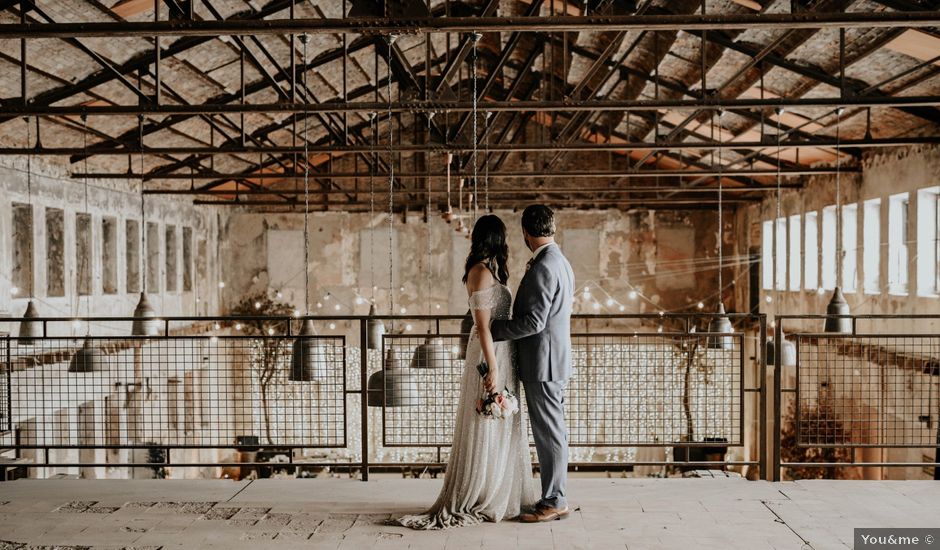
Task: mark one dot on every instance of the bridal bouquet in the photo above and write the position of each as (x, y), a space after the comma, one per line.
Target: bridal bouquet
(501, 404)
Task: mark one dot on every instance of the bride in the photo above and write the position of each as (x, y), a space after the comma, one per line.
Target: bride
(489, 474)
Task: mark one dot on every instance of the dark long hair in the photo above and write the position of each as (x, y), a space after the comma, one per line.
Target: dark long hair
(488, 244)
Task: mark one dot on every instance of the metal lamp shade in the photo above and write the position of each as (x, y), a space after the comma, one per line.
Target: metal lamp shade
(376, 329)
(720, 324)
(88, 359)
(787, 352)
(393, 386)
(30, 331)
(430, 355)
(309, 358)
(838, 306)
(145, 322)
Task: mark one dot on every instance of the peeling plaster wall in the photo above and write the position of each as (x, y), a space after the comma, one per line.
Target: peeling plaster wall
(52, 188)
(653, 252)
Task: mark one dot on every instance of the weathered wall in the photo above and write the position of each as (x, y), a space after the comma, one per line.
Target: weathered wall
(52, 188)
(654, 253)
(883, 174)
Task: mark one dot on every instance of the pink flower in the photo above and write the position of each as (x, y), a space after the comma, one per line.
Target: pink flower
(502, 402)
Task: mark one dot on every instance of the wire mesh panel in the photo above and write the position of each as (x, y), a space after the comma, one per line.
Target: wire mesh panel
(655, 389)
(418, 387)
(867, 390)
(204, 391)
(627, 390)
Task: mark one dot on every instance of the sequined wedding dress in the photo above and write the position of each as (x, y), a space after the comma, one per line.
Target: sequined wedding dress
(489, 474)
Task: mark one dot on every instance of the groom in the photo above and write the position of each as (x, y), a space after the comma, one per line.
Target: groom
(541, 327)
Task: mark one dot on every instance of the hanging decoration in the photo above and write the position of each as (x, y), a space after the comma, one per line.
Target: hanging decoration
(145, 321)
(837, 306)
(30, 330)
(89, 358)
(720, 323)
(309, 361)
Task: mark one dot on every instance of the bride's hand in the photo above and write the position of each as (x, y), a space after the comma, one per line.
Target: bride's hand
(489, 381)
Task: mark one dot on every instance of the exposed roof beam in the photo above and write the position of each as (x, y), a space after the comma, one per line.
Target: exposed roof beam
(373, 26)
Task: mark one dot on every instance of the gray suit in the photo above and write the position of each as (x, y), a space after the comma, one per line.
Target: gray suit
(541, 327)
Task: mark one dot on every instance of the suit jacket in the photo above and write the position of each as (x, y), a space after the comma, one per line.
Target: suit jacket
(541, 319)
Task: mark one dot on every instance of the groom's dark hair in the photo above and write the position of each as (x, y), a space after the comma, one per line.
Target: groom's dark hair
(538, 220)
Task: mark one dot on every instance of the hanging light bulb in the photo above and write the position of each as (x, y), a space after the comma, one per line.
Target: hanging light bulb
(393, 386)
(145, 318)
(431, 354)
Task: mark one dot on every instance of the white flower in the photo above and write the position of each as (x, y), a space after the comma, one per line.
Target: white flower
(495, 410)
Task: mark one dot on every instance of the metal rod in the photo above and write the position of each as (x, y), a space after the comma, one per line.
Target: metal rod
(496, 106)
(427, 174)
(457, 148)
(499, 191)
(562, 23)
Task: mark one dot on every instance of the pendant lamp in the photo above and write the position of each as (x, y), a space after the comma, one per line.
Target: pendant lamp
(837, 305)
(431, 354)
(787, 352)
(376, 329)
(720, 324)
(145, 322)
(307, 356)
(30, 331)
(393, 386)
(88, 359)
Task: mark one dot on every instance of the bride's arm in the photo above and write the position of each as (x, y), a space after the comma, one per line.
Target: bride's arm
(478, 279)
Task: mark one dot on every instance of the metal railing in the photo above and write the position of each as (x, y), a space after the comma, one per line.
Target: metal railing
(227, 385)
(873, 390)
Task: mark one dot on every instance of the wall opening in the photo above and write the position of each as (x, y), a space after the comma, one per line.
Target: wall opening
(850, 247)
(897, 244)
(928, 242)
(55, 252)
(153, 257)
(109, 267)
(83, 253)
(767, 255)
(171, 258)
(811, 251)
(22, 276)
(187, 259)
(871, 247)
(132, 255)
(780, 258)
(796, 269)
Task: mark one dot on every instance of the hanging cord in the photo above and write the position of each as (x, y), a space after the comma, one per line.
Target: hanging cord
(779, 112)
(143, 218)
(29, 198)
(428, 223)
(486, 161)
(840, 248)
(721, 227)
(475, 37)
(304, 38)
(390, 39)
(88, 265)
(373, 128)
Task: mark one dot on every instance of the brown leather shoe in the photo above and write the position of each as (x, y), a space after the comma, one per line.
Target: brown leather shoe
(544, 514)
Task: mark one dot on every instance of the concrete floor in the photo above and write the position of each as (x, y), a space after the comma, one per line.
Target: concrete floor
(340, 513)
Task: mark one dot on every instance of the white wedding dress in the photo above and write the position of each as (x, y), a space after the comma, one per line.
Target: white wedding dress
(489, 474)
